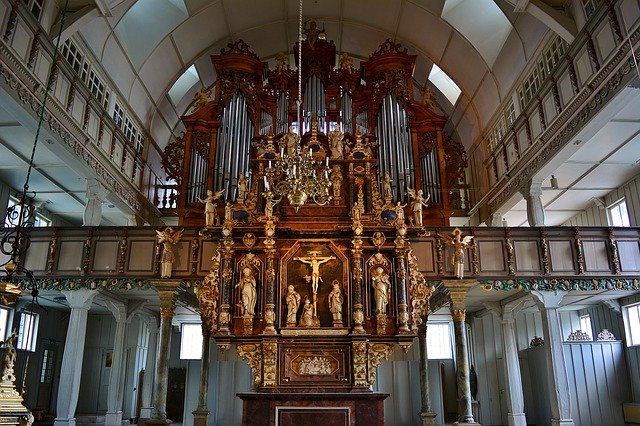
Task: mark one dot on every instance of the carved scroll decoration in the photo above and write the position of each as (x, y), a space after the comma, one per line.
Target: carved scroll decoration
(208, 293)
(252, 353)
(360, 364)
(270, 363)
(172, 159)
(419, 292)
(376, 353)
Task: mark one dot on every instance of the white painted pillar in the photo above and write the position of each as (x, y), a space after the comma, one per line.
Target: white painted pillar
(69, 385)
(515, 395)
(147, 386)
(532, 193)
(116, 382)
(559, 395)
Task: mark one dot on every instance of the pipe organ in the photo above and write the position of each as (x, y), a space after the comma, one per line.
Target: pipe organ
(314, 290)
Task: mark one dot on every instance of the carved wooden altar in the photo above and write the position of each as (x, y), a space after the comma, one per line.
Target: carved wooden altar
(303, 327)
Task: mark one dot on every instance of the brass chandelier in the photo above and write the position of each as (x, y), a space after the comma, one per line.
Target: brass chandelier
(297, 175)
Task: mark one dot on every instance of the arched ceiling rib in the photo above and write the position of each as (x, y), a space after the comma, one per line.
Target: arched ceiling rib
(145, 53)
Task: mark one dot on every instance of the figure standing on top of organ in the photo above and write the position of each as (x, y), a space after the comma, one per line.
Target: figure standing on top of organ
(416, 205)
(336, 142)
(242, 188)
(400, 213)
(346, 63)
(282, 62)
(382, 289)
(201, 99)
(268, 209)
(289, 141)
(228, 212)
(386, 188)
(247, 286)
(210, 207)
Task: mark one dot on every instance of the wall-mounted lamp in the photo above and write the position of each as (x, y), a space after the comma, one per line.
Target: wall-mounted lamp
(554, 182)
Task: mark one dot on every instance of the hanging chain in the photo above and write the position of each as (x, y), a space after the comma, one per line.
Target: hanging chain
(299, 106)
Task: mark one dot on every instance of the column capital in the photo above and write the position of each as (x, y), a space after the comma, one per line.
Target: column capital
(533, 188)
(458, 292)
(458, 315)
(548, 299)
(81, 298)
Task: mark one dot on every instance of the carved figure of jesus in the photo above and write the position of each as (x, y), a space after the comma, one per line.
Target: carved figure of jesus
(315, 261)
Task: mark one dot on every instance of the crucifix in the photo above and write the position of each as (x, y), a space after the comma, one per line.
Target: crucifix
(315, 261)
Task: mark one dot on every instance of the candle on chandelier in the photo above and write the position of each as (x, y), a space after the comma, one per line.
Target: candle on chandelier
(326, 161)
(266, 183)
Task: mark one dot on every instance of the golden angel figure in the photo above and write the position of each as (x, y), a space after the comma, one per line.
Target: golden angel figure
(210, 206)
(168, 237)
(459, 244)
(418, 201)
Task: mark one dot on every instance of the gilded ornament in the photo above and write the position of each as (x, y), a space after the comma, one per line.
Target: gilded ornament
(269, 363)
(249, 240)
(167, 313)
(360, 364)
(458, 315)
(459, 245)
(378, 239)
(252, 353)
(376, 353)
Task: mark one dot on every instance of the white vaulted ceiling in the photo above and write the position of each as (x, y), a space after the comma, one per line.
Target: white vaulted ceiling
(147, 45)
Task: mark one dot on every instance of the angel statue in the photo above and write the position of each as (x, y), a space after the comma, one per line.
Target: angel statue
(416, 204)
(459, 243)
(201, 98)
(210, 206)
(168, 237)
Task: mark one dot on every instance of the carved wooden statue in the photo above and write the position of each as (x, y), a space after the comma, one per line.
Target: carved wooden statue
(382, 289)
(459, 244)
(210, 207)
(168, 237)
(418, 202)
(307, 314)
(293, 304)
(335, 303)
(248, 292)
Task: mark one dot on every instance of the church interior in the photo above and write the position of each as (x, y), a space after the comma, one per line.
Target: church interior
(337, 212)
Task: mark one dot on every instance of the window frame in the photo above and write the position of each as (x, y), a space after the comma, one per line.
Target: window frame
(6, 321)
(431, 344)
(193, 355)
(615, 206)
(32, 334)
(631, 318)
(586, 326)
